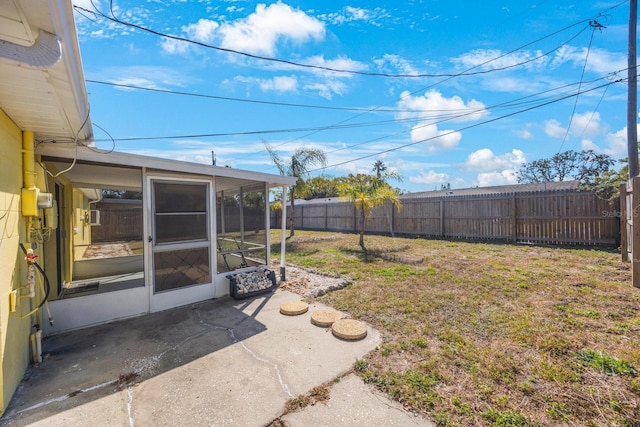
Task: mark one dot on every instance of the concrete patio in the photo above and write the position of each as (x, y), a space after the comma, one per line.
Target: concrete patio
(221, 362)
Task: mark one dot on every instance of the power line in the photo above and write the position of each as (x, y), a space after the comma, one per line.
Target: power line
(468, 73)
(113, 18)
(594, 25)
(504, 105)
(227, 98)
(436, 117)
(464, 128)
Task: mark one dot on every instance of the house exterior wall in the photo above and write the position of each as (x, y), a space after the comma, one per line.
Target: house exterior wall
(14, 331)
(81, 228)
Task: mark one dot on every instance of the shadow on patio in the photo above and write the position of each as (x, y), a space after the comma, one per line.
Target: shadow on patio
(87, 364)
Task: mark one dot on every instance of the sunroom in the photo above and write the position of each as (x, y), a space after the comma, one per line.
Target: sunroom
(130, 234)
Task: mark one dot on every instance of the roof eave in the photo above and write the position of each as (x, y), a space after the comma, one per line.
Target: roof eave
(85, 154)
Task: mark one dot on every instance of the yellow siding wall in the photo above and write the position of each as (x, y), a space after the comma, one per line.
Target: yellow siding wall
(81, 224)
(14, 331)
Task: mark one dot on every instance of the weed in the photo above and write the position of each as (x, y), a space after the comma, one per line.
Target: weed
(320, 394)
(441, 419)
(548, 370)
(558, 411)
(297, 403)
(360, 365)
(607, 364)
(505, 419)
(421, 343)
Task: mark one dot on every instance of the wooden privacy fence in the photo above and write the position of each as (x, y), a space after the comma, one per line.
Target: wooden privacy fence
(629, 227)
(559, 218)
(118, 225)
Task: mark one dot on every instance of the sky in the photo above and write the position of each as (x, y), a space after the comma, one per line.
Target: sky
(444, 93)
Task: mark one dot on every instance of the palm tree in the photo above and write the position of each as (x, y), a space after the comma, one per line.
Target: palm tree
(383, 172)
(366, 192)
(379, 167)
(303, 159)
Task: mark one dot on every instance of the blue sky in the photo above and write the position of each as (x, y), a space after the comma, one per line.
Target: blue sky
(443, 92)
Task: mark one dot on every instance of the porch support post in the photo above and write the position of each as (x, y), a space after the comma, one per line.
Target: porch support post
(283, 237)
(267, 223)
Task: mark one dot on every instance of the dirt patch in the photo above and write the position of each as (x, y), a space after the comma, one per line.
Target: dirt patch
(310, 283)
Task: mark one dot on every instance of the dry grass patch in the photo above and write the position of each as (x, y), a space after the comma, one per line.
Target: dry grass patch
(491, 334)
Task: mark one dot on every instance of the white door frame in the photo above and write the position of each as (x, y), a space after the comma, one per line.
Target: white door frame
(188, 294)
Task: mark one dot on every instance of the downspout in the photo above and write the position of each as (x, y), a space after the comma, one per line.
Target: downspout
(29, 207)
(28, 159)
(29, 193)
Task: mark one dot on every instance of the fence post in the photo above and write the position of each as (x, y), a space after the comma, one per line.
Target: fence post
(442, 217)
(390, 217)
(635, 231)
(326, 216)
(514, 219)
(624, 236)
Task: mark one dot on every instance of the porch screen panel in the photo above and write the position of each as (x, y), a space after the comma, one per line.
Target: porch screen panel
(181, 251)
(180, 268)
(180, 212)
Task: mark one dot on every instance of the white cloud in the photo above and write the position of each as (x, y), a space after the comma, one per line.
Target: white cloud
(396, 64)
(599, 61)
(202, 31)
(495, 169)
(523, 133)
(352, 14)
(280, 84)
(429, 177)
(436, 140)
(434, 105)
(358, 14)
(174, 47)
(340, 63)
(615, 144)
(587, 124)
(554, 129)
(491, 59)
(328, 88)
(488, 179)
(259, 32)
(485, 160)
(143, 76)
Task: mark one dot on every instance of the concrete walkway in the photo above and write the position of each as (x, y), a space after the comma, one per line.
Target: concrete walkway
(216, 363)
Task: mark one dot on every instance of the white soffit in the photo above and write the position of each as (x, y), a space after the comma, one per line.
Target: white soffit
(13, 24)
(41, 79)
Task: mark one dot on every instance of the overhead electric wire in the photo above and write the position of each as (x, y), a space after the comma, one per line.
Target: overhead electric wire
(442, 116)
(113, 18)
(463, 128)
(467, 71)
(593, 113)
(227, 98)
(595, 26)
(448, 76)
(504, 105)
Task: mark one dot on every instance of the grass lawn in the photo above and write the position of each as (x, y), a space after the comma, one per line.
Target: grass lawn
(490, 334)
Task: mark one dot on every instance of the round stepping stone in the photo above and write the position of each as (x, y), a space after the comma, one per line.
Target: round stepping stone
(294, 308)
(349, 329)
(325, 318)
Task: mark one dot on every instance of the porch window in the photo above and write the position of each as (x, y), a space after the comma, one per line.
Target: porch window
(241, 227)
